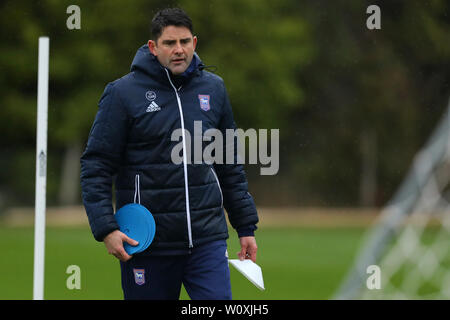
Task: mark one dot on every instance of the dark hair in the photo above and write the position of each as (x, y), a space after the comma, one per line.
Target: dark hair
(169, 17)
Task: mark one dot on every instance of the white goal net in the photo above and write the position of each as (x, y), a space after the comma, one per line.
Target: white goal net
(410, 243)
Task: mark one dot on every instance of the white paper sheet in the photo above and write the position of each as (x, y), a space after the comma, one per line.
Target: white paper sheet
(250, 270)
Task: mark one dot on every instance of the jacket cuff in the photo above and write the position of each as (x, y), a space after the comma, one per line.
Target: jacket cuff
(246, 231)
(100, 236)
(104, 226)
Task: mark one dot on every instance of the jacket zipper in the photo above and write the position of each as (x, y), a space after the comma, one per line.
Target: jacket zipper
(218, 184)
(186, 185)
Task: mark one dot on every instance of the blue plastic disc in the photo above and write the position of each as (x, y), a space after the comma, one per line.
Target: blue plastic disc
(137, 223)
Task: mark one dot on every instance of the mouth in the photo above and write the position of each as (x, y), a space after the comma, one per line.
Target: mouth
(178, 60)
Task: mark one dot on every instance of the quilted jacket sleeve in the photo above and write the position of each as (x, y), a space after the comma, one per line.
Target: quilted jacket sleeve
(100, 162)
(238, 202)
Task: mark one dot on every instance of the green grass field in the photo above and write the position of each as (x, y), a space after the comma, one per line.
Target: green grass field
(297, 263)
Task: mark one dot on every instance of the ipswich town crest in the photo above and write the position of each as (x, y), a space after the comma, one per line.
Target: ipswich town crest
(139, 276)
(204, 101)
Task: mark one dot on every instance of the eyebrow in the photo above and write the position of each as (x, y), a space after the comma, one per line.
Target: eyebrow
(184, 40)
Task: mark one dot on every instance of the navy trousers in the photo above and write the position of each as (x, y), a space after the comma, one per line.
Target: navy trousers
(204, 273)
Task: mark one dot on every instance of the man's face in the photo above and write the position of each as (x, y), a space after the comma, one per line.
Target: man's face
(174, 49)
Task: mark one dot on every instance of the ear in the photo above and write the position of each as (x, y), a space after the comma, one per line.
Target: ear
(151, 46)
(195, 42)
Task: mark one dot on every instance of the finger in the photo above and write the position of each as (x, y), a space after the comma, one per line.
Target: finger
(122, 255)
(116, 254)
(242, 254)
(252, 253)
(252, 256)
(130, 241)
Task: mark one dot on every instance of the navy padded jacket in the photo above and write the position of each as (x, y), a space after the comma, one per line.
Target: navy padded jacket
(128, 139)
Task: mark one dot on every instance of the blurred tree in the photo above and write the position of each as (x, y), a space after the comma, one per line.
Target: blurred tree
(81, 63)
(246, 53)
(373, 96)
(258, 48)
(353, 105)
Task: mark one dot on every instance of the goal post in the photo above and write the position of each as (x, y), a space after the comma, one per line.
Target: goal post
(41, 169)
(410, 242)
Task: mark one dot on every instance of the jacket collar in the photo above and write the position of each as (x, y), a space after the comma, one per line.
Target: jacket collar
(147, 63)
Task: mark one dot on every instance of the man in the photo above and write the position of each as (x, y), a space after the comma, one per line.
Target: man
(167, 89)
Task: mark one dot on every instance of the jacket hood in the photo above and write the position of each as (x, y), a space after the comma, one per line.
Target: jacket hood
(146, 62)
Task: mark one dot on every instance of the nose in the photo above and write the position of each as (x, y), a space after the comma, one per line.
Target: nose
(178, 48)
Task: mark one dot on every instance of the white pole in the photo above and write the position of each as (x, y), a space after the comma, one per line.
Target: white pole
(41, 170)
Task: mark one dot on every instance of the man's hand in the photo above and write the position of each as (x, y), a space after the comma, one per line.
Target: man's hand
(114, 244)
(248, 248)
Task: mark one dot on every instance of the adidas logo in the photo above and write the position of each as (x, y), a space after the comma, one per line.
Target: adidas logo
(153, 107)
